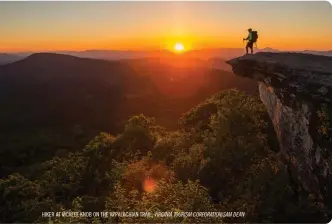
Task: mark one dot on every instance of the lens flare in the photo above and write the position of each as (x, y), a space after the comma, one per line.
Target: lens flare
(149, 185)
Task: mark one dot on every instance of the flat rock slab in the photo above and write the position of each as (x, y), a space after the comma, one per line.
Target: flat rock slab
(304, 74)
(314, 63)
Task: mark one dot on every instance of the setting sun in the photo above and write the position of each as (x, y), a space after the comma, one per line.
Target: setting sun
(178, 47)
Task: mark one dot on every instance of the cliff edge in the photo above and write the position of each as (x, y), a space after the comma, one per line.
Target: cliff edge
(297, 92)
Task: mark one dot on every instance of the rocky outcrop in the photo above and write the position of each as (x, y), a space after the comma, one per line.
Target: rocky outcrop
(297, 92)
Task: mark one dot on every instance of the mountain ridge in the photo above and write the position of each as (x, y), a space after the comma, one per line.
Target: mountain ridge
(224, 53)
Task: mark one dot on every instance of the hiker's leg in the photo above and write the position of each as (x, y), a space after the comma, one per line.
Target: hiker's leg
(247, 47)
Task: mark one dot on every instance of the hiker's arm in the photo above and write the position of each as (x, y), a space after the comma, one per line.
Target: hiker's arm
(248, 37)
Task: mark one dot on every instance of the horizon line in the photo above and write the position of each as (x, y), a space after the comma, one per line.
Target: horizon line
(154, 50)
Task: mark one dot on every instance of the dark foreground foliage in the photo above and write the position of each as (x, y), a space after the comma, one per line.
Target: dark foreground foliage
(221, 160)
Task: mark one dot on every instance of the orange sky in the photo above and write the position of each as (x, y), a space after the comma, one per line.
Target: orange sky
(43, 26)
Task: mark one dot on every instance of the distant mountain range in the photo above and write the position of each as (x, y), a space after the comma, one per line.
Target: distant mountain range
(49, 96)
(9, 58)
(222, 53)
(56, 89)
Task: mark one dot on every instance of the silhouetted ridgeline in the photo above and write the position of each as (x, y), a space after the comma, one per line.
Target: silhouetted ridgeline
(223, 53)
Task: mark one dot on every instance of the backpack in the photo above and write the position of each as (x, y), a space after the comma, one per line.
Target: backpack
(254, 36)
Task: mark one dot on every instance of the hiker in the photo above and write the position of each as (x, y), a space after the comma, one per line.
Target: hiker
(252, 38)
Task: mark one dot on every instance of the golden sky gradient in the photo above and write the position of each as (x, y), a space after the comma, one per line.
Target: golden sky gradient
(45, 26)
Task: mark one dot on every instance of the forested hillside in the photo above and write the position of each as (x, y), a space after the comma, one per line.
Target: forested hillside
(220, 159)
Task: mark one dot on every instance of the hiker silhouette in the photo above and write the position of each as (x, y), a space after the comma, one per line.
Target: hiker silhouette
(251, 39)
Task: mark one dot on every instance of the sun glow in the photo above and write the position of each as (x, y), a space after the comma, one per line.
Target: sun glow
(178, 47)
